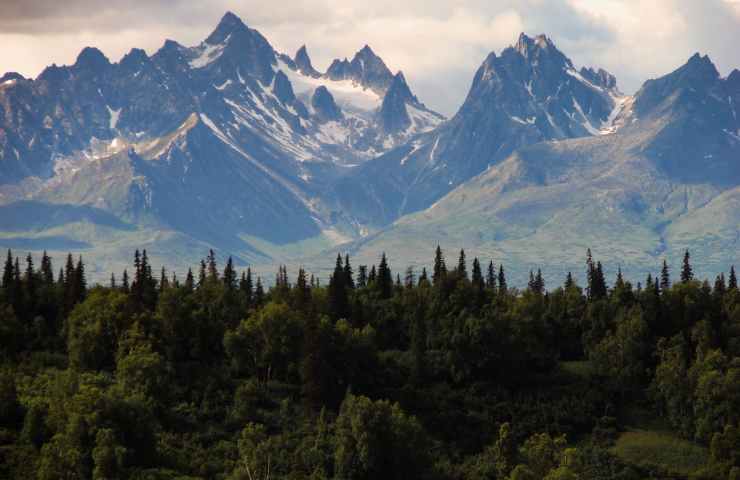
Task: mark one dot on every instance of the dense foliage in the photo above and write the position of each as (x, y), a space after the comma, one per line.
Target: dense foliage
(449, 374)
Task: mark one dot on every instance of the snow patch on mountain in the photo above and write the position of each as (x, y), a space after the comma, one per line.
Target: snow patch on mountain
(346, 93)
(207, 53)
(114, 116)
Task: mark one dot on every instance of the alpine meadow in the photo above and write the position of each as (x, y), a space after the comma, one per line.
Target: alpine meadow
(222, 261)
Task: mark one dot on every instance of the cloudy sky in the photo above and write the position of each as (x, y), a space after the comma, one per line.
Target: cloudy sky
(437, 43)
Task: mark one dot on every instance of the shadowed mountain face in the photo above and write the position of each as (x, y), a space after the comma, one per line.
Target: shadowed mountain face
(234, 146)
(529, 94)
(222, 142)
(667, 179)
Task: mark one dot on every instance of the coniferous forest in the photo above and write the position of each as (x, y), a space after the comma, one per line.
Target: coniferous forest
(378, 374)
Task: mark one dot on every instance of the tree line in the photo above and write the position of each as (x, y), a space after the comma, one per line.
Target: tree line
(446, 374)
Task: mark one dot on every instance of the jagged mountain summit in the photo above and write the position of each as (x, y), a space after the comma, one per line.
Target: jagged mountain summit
(233, 145)
(664, 178)
(529, 94)
(228, 143)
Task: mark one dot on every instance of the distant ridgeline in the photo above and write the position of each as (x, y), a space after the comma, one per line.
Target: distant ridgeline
(444, 374)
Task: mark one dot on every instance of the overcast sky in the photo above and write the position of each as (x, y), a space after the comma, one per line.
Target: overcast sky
(437, 43)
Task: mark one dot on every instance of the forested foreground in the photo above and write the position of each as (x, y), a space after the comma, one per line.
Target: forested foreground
(446, 374)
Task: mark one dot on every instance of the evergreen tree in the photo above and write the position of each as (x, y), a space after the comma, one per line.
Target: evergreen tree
(491, 276)
(440, 270)
(732, 282)
(338, 298)
(246, 288)
(502, 286)
(539, 282)
(202, 274)
(462, 268)
(599, 281)
(113, 281)
(349, 276)
(164, 282)
(229, 277)
(124, 281)
(302, 291)
(8, 273)
(477, 277)
(424, 277)
(189, 280)
(687, 273)
(665, 277)
(362, 277)
(81, 280)
(31, 287)
(372, 277)
(720, 286)
(47, 271)
(410, 278)
(211, 265)
(385, 278)
(259, 293)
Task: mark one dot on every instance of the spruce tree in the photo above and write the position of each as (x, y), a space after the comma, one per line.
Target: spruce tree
(302, 291)
(189, 280)
(8, 274)
(491, 276)
(477, 276)
(424, 277)
(502, 286)
(462, 267)
(229, 277)
(211, 264)
(720, 286)
(81, 280)
(372, 278)
(440, 270)
(539, 282)
(246, 288)
(202, 274)
(732, 281)
(410, 278)
(362, 277)
(349, 276)
(124, 281)
(338, 299)
(259, 293)
(569, 282)
(113, 281)
(47, 271)
(385, 278)
(687, 273)
(31, 287)
(163, 280)
(665, 277)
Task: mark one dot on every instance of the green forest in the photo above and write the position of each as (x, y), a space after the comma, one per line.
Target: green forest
(376, 373)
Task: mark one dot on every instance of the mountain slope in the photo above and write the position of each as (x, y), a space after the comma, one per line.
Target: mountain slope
(528, 94)
(227, 144)
(667, 180)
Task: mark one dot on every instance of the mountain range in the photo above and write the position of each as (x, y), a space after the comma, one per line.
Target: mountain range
(235, 146)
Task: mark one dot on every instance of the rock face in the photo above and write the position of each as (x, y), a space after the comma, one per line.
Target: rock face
(214, 143)
(324, 105)
(234, 146)
(303, 63)
(667, 180)
(366, 69)
(529, 94)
